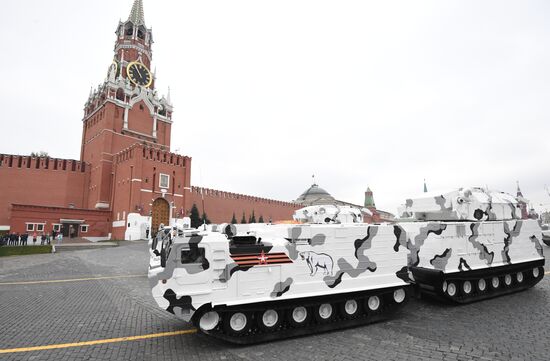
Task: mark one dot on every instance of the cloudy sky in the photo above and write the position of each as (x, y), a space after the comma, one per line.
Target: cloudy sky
(267, 93)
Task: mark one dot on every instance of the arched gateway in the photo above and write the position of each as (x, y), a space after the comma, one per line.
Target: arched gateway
(160, 214)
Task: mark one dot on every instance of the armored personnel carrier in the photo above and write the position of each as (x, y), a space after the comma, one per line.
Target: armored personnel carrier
(470, 244)
(257, 282)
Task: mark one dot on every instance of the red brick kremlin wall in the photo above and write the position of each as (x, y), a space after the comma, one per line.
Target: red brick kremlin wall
(41, 181)
(220, 205)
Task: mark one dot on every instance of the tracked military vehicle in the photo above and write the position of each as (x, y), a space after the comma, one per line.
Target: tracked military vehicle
(257, 282)
(470, 244)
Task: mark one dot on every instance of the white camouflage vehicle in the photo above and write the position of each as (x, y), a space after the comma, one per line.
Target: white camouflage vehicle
(256, 282)
(251, 283)
(471, 244)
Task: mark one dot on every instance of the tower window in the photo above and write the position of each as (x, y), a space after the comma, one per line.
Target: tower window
(164, 181)
(120, 94)
(129, 31)
(141, 34)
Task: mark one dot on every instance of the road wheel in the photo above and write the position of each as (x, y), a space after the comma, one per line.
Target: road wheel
(508, 280)
(269, 320)
(481, 285)
(324, 313)
(236, 323)
(298, 316)
(519, 277)
(373, 303)
(451, 289)
(495, 283)
(209, 321)
(399, 295)
(467, 287)
(350, 309)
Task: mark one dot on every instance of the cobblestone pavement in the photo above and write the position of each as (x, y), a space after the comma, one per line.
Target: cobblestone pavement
(36, 314)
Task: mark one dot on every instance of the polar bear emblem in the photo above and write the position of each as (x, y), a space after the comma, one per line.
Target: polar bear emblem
(318, 260)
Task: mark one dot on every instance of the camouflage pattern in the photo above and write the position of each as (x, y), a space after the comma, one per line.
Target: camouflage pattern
(449, 242)
(460, 246)
(330, 213)
(468, 204)
(226, 265)
(285, 262)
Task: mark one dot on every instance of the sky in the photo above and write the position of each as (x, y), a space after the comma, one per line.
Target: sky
(362, 93)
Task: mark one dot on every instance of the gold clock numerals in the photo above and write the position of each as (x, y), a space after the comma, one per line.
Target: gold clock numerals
(139, 74)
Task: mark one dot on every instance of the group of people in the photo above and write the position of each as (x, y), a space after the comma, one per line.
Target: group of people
(16, 239)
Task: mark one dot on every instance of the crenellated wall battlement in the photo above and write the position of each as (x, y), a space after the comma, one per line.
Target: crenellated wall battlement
(214, 193)
(44, 163)
(151, 153)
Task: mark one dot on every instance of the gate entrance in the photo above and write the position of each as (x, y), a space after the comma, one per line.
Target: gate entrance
(160, 214)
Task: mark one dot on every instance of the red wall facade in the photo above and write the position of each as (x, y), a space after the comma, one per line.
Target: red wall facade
(220, 206)
(41, 181)
(98, 222)
(137, 182)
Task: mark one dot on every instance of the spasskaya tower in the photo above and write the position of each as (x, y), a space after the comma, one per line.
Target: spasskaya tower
(125, 108)
(127, 180)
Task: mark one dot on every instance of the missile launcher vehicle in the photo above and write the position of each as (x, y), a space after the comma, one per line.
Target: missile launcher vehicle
(255, 282)
(470, 244)
(249, 283)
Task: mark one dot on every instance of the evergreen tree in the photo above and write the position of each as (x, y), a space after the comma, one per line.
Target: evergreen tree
(40, 154)
(204, 219)
(252, 218)
(234, 219)
(243, 220)
(195, 218)
(261, 219)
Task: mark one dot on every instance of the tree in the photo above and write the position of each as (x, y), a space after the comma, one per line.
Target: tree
(243, 220)
(195, 218)
(233, 220)
(261, 219)
(204, 219)
(40, 154)
(252, 218)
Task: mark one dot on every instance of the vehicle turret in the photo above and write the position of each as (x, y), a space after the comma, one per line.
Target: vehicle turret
(329, 214)
(463, 204)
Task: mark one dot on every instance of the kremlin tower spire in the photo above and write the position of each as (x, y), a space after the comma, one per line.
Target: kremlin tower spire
(137, 16)
(127, 105)
(369, 199)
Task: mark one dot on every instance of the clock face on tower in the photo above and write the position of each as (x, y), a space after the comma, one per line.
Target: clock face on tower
(139, 74)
